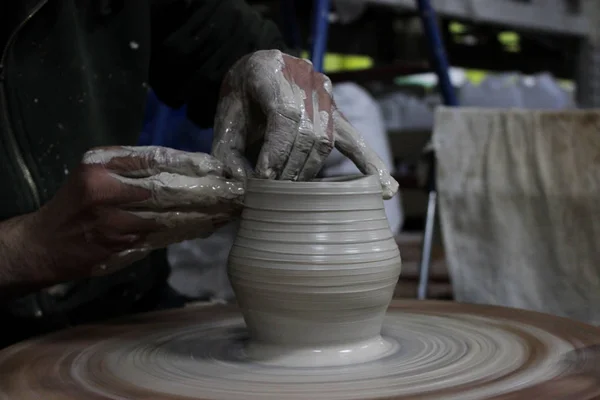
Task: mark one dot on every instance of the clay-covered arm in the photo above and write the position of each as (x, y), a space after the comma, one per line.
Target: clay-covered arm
(195, 43)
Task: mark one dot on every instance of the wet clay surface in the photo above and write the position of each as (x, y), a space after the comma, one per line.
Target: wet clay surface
(445, 351)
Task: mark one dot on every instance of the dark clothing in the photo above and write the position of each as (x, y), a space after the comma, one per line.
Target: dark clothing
(95, 300)
(74, 75)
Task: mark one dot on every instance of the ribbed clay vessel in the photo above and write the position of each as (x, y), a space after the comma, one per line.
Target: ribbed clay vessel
(314, 266)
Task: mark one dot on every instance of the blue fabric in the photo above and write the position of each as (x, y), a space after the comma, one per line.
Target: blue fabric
(164, 126)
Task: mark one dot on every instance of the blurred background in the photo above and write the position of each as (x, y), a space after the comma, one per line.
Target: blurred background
(517, 220)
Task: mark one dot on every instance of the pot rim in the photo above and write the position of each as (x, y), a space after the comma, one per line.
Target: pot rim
(338, 182)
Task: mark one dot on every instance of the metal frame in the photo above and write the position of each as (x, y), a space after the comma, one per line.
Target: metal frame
(440, 63)
(319, 33)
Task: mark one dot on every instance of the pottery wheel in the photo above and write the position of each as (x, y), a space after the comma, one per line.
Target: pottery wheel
(443, 351)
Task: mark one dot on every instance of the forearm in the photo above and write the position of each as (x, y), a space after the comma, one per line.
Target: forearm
(22, 264)
(202, 41)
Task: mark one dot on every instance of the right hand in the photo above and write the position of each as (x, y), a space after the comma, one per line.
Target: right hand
(122, 202)
(280, 104)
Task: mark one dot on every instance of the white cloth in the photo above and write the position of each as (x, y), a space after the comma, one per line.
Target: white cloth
(519, 196)
(363, 112)
(199, 267)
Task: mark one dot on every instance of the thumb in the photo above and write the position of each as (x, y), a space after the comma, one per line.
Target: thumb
(351, 144)
(229, 141)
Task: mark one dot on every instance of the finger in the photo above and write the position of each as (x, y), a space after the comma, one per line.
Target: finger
(124, 222)
(316, 159)
(281, 102)
(351, 143)
(144, 161)
(281, 131)
(170, 191)
(94, 186)
(229, 143)
(190, 227)
(117, 229)
(308, 154)
(111, 241)
(323, 129)
(175, 219)
(120, 260)
(301, 148)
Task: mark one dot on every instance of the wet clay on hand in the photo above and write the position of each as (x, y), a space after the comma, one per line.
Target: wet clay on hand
(281, 103)
(123, 202)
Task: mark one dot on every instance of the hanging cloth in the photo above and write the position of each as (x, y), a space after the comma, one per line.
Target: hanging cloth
(519, 196)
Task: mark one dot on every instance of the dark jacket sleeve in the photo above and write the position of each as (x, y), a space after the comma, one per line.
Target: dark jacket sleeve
(195, 42)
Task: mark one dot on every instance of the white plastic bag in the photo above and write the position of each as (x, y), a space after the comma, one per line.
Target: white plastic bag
(364, 114)
(514, 90)
(403, 112)
(199, 267)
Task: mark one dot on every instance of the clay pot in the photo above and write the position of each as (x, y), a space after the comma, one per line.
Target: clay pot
(314, 266)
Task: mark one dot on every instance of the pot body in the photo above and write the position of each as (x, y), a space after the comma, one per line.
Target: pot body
(314, 264)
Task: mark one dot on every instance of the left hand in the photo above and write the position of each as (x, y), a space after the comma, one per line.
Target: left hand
(123, 202)
(282, 105)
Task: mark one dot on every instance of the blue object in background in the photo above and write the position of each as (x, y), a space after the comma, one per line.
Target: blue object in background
(319, 33)
(440, 63)
(438, 51)
(164, 126)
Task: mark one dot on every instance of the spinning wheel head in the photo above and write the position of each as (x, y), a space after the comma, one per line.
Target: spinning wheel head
(443, 351)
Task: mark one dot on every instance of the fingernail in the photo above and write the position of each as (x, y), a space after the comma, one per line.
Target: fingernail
(268, 173)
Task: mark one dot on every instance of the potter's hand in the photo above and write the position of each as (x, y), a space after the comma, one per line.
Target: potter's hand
(282, 105)
(124, 201)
